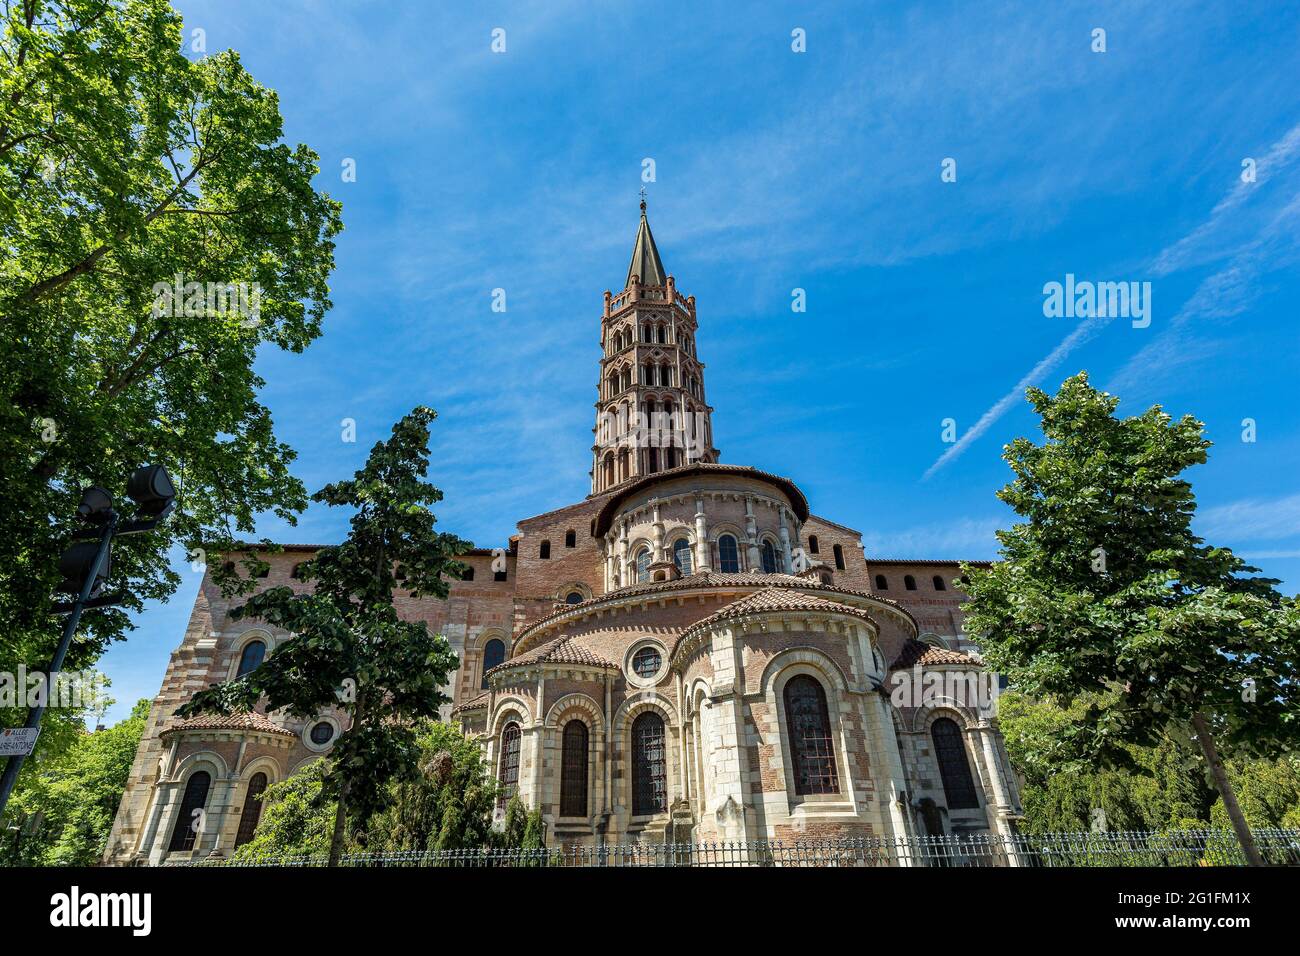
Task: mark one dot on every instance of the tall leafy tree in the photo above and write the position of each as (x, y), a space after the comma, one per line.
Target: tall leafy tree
(62, 812)
(1103, 589)
(348, 646)
(125, 164)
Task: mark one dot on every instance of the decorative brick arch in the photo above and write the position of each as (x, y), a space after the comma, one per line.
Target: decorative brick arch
(924, 716)
(507, 706)
(577, 702)
(810, 657)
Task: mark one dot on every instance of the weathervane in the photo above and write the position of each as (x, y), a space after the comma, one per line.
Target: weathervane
(643, 199)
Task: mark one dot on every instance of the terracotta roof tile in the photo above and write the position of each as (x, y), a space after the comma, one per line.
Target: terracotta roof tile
(562, 650)
(251, 721)
(771, 600)
(918, 652)
(711, 579)
(474, 703)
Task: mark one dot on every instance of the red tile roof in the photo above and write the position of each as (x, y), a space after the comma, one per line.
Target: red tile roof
(770, 600)
(474, 703)
(251, 721)
(562, 650)
(712, 579)
(918, 652)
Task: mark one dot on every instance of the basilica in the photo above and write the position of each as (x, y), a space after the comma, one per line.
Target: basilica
(687, 654)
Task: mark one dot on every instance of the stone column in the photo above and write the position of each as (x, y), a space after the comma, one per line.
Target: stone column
(726, 743)
(787, 561)
(658, 536)
(624, 561)
(1002, 803)
(701, 536)
(893, 785)
(751, 535)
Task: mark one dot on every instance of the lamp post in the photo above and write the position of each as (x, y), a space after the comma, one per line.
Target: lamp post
(85, 567)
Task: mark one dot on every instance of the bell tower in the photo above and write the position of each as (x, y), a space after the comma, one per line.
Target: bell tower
(651, 414)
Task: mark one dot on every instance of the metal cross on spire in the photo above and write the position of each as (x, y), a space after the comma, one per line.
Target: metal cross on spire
(643, 199)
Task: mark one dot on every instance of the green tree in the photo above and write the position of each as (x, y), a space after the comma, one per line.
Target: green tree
(1267, 790)
(297, 819)
(1166, 786)
(1104, 590)
(63, 810)
(123, 165)
(348, 644)
(448, 805)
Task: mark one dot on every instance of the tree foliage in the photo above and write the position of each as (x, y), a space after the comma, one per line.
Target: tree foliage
(296, 819)
(348, 646)
(1105, 596)
(448, 805)
(123, 164)
(61, 813)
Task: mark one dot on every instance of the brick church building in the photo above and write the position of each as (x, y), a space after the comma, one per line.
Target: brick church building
(687, 654)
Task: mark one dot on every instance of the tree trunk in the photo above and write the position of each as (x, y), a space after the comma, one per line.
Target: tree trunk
(340, 818)
(1224, 786)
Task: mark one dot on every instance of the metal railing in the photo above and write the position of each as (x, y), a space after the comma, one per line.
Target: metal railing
(1118, 848)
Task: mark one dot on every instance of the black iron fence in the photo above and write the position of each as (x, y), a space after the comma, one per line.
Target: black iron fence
(1116, 848)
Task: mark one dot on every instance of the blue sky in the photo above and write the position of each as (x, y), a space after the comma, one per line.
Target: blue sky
(778, 170)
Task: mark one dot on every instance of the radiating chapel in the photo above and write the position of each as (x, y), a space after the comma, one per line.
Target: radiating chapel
(688, 653)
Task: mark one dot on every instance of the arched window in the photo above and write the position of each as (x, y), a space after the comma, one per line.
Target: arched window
(950, 751)
(882, 583)
(652, 460)
(812, 544)
(728, 555)
(544, 552)
(494, 653)
(768, 552)
(839, 557)
(573, 770)
(570, 538)
(574, 597)
(649, 765)
(508, 762)
(609, 469)
(808, 725)
(682, 556)
(939, 584)
(909, 582)
(643, 565)
(252, 811)
(251, 658)
(185, 829)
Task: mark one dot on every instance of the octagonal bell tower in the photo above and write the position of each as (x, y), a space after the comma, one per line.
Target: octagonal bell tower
(651, 413)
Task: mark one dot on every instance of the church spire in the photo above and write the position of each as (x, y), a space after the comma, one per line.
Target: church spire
(645, 257)
(651, 413)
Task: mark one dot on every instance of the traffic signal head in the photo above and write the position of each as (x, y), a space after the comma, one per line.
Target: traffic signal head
(96, 505)
(75, 566)
(151, 488)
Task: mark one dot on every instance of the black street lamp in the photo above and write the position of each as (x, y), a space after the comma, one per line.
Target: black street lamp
(85, 568)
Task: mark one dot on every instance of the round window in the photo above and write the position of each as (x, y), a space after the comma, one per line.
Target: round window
(573, 598)
(322, 733)
(646, 662)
